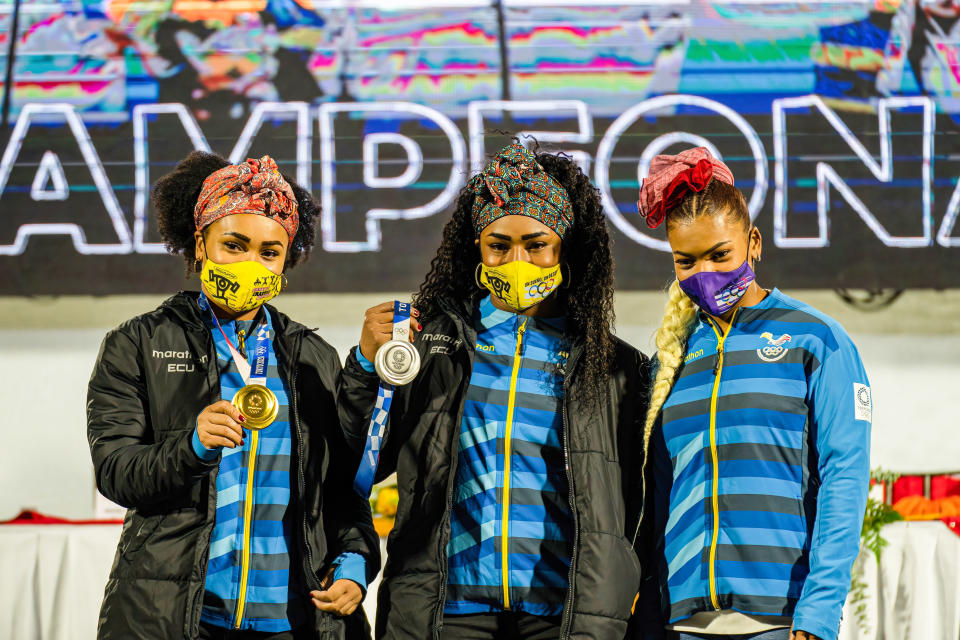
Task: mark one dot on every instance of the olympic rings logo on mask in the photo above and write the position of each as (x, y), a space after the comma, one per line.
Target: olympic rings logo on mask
(540, 289)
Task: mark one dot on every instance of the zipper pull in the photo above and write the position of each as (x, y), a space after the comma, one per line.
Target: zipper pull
(241, 340)
(520, 331)
(716, 362)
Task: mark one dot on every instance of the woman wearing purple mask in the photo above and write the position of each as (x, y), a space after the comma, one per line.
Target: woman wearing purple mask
(759, 424)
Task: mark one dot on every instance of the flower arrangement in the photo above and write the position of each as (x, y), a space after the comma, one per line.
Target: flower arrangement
(877, 515)
(383, 503)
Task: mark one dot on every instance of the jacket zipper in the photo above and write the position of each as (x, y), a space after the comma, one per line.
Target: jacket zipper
(247, 533)
(294, 357)
(508, 436)
(715, 492)
(211, 351)
(643, 490)
(571, 497)
(247, 510)
(445, 524)
(205, 556)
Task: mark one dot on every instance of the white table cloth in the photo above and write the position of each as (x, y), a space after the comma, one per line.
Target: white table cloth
(52, 579)
(915, 592)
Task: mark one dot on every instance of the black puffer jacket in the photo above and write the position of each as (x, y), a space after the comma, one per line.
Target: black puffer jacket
(153, 377)
(603, 446)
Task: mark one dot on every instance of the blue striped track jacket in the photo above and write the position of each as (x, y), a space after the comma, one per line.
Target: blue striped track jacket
(249, 584)
(510, 525)
(762, 467)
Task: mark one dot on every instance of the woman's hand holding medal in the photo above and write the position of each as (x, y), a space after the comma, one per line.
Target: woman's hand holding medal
(378, 328)
(220, 425)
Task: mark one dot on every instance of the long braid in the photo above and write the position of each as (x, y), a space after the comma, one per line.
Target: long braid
(719, 197)
(671, 339)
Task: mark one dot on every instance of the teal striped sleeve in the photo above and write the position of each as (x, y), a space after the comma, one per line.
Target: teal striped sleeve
(366, 364)
(842, 412)
(351, 566)
(202, 452)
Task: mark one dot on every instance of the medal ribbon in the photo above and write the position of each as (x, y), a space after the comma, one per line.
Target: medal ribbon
(257, 373)
(377, 431)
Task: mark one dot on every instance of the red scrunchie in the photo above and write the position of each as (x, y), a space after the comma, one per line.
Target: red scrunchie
(673, 177)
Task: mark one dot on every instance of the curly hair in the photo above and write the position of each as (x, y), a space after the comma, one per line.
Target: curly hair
(588, 291)
(175, 195)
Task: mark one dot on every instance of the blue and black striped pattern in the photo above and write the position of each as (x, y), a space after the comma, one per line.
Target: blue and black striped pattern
(273, 601)
(792, 447)
(539, 521)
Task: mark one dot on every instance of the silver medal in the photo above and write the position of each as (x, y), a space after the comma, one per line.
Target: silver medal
(397, 361)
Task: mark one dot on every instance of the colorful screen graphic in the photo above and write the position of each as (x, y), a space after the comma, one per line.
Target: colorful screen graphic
(839, 119)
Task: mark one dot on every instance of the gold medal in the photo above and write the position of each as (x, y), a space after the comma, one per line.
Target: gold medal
(258, 405)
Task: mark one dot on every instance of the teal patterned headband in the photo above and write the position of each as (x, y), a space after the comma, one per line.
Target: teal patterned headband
(514, 184)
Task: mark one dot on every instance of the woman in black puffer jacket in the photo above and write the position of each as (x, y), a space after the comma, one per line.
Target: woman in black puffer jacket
(241, 518)
(518, 445)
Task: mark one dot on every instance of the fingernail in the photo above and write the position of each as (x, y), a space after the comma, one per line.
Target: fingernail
(419, 327)
(242, 419)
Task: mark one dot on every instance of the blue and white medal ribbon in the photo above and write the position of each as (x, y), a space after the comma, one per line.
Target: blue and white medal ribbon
(397, 363)
(258, 404)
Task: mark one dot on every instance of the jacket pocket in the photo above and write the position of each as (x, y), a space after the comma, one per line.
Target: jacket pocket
(136, 531)
(607, 575)
(632, 554)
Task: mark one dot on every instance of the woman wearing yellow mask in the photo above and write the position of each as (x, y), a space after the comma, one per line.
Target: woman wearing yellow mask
(516, 446)
(214, 420)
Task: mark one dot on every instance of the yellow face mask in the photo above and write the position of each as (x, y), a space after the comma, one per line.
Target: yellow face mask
(239, 286)
(521, 285)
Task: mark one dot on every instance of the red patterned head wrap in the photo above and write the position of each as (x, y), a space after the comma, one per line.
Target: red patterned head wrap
(673, 177)
(254, 186)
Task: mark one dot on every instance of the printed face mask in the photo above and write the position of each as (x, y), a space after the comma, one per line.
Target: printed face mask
(520, 285)
(239, 286)
(716, 292)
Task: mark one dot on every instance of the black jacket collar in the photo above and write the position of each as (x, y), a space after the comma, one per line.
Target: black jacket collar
(184, 306)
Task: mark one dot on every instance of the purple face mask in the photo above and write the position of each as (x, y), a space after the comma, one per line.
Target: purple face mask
(716, 292)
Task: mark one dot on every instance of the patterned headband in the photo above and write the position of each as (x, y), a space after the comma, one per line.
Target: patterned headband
(254, 186)
(514, 184)
(671, 178)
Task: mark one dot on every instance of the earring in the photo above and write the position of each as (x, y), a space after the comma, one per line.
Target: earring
(283, 281)
(476, 275)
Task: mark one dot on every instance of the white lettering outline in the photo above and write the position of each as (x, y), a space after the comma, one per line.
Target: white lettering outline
(92, 160)
(827, 175)
(50, 172)
(374, 216)
(141, 160)
(301, 110)
(949, 220)
(371, 161)
(612, 136)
